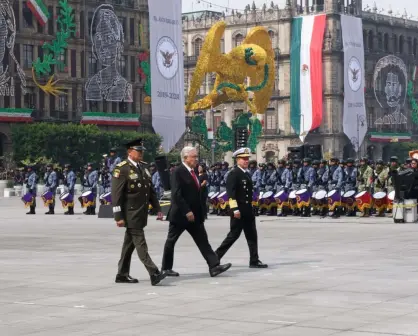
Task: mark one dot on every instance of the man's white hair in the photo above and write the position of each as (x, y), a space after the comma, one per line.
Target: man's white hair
(185, 152)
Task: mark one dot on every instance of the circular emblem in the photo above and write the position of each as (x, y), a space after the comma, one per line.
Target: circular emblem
(167, 57)
(355, 74)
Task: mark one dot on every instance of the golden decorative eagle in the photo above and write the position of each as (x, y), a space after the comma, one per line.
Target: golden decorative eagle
(168, 58)
(254, 59)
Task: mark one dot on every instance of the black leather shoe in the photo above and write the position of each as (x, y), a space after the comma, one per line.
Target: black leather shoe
(171, 273)
(157, 277)
(219, 269)
(125, 279)
(258, 264)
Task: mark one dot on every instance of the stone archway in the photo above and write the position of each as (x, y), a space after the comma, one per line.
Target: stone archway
(270, 156)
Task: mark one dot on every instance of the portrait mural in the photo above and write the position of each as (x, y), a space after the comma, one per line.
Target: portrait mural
(390, 88)
(7, 56)
(108, 39)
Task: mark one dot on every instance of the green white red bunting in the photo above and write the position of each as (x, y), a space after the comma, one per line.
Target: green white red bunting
(114, 119)
(389, 137)
(39, 10)
(15, 115)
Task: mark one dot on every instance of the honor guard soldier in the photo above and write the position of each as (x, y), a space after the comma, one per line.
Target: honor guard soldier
(279, 172)
(394, 166)
(270, 177)
(91, 177)
(364, 180)
(69, 181)
(106, 179)
(132, 192)
(51, 185)
(380, 177)
(335, 179)
(113, 160)
(31, 185)
(306, 177)
(223, 172)
(350, 176)
(239, 188)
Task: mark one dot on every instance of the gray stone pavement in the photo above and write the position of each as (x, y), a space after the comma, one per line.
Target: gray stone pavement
(347, 277)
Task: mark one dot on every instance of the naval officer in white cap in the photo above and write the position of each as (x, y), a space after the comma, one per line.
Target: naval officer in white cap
(239, 188)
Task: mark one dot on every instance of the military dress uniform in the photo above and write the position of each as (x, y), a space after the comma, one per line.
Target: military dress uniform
(132, 192)
(91, 178)
(364, 179)
(31, 185)
(69, 181)
(51, 185)
(113, 160)
(239, 188)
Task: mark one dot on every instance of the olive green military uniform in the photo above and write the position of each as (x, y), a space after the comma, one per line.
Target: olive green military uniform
(364, 178)
(389, 182)
(380, 179)
(132, 192)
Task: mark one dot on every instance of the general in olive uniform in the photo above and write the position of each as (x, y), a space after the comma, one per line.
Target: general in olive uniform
(239, 188)
(132, 192)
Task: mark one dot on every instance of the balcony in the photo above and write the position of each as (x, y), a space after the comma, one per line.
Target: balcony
(271, 131)
(190, 61)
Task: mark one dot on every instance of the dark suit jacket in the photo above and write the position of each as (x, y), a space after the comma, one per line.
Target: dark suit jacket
(185, 197)
(239, 188)
(132, 192)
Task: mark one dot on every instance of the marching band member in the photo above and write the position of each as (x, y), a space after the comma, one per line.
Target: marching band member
(306, 177)
(223, 172)
(279, 172)
(350, 183)
(287, 183)
(69, 181)
(90, 184)
(270, 177)
(380, 176)
(364, 179)
(113, 160)
(252, 168)
(31, 185)
(394, 166)
(51, 185)
(295, 184)
(335, 181)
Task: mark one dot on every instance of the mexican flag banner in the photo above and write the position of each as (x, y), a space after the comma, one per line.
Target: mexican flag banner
(306, 73)
(39, 10)
(114, 119)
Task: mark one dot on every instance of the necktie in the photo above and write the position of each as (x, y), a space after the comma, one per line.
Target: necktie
(195, 179)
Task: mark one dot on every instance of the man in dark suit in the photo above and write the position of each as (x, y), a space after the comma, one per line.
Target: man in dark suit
(239, 188)
(187, 213)
(132, 192)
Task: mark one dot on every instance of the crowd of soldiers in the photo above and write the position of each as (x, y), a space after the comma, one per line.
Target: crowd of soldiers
(314, 187)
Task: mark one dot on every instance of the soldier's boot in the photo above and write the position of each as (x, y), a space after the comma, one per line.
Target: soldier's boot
(31, 211)
(51, 210)
(381, 213)
(93, 211)
(336, 213)
(87, 212)
(366, 213)
(71, 210)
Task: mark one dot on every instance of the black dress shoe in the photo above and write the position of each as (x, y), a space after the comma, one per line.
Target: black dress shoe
(157, 277)
(171, 273)
(219, 269)
(125, 279)
(258, 264)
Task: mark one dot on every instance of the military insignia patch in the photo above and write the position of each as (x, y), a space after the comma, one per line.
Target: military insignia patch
(116, 173)
(121, 164)
(132, 186)
(133, 176)
(139, 185)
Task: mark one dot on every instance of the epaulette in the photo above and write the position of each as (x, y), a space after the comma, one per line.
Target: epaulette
(122, 164)
(143, 162)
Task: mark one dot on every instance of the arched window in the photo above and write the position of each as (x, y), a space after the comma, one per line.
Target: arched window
(380, 41)
(386, 42)
(370, 40)
(198, 46)
(401, 44)
(239, 38)
(410, 51)
(395, 43)
(272, 38)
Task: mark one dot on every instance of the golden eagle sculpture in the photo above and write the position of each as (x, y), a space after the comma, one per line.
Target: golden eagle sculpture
(253, 59)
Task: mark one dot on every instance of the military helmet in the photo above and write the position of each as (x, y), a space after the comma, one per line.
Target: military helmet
(283, 162)
(343, 162)
(334, 159)
(323, 161)
(394, 159)
(315, 163)
(350, 160)
(253, 162)
(408, 160)
(364, 159)
(113, 150)
(49, 165)
(380, 162)
(308, 160)
(271, 164)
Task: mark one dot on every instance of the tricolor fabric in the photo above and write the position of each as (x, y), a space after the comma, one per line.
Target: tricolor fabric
(39, 10)
(354, 118)
(120, 119)
(390, 137)
(16, 115)
(306, 88)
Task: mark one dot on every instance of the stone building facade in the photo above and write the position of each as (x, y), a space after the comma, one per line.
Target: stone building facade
(384, 34)
(79, 63)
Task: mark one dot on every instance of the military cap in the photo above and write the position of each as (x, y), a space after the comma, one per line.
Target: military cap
(380, 162)
(137, 145)
(408, 160)
(394, 159)
(49, 165)
(242, 153)
(350, 160)
(307, 160)
(67, 165)
(226, 163)
(334, 159)
(323, 161)
(282, 162)
(253, 162)
(113, 150)
(315, 163)
(270, 164)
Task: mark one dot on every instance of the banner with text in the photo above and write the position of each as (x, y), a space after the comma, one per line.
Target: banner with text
(166, 58)
(354, 118)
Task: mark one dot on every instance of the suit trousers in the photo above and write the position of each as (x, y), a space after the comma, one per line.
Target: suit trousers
(250, 232)
(200, 237)
(135, 239)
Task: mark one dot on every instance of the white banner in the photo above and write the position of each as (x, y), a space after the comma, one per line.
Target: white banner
(355, 121)
(166, 58)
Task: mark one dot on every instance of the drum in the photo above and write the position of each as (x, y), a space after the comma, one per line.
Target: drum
(67, 200)
(349, 199)
(88, 198)
(28, 199)
(211, 194)
(48, 198)
(213, 199)
(321, 199)
(380, 201)
(282, 199)
(363, 200)
(223, 200)
(391, 198)
(268, 200)
(255, 199)
(292, 198)
(106, 198)
(334, 199)
(303, 198)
